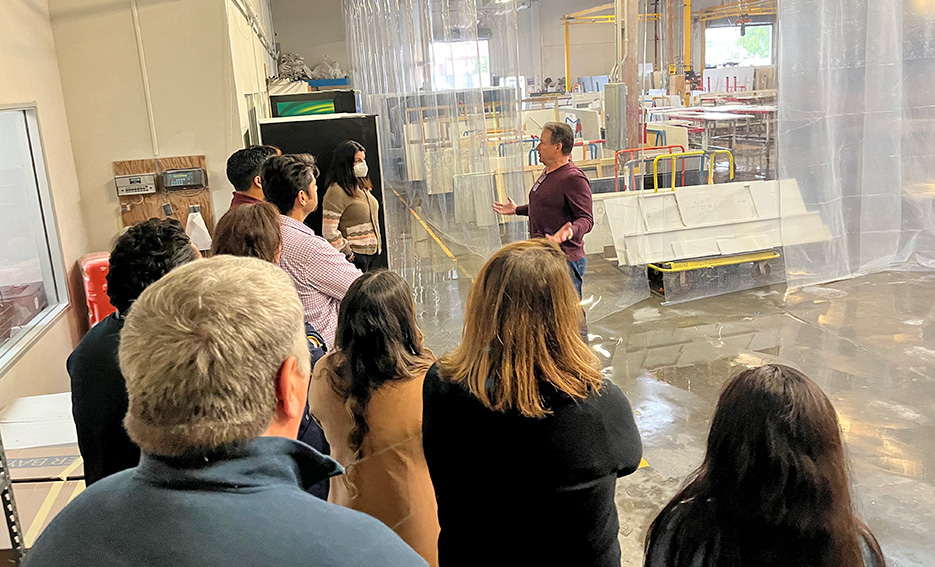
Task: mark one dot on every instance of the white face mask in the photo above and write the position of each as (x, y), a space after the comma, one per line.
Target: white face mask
(360, 169)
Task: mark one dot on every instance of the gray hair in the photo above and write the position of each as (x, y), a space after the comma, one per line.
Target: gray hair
(561, 134)
(200, 351)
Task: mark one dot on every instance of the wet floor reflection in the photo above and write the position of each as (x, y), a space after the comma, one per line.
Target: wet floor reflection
(862, 340)
(868, 342)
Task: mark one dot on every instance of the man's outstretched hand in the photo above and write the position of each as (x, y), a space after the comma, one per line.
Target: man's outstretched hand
(562, 234)
(508, 208)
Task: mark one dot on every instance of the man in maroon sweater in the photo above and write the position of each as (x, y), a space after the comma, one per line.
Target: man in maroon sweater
(243, 171)
(560, 201)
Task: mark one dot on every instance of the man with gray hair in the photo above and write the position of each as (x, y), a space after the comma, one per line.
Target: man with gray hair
(217, 375)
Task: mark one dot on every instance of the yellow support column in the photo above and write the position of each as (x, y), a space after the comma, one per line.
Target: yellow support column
(688, 35)
(567, 59)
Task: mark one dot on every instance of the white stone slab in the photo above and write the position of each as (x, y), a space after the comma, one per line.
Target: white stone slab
(703, 205)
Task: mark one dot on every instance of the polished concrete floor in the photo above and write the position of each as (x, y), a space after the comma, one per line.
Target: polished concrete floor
(869, 342)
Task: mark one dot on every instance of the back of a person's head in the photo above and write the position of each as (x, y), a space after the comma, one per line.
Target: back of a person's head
(244, 165)
(249, 230)
(141, 255)
(284, 176)
(377, 341)
(775, 464)
(521, 329)
(200, 352)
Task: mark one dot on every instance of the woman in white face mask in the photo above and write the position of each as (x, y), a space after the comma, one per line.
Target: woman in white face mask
(350, 214)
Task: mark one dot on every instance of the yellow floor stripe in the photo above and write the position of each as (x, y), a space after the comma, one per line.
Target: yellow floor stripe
(437, 240)
(43, 513)
(71, 468)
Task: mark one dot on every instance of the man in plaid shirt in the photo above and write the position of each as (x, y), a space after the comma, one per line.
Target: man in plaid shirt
(320, 273)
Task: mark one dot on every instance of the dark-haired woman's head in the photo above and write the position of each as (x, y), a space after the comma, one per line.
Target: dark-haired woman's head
(377, 341)
(521, 329)
(143, 254)
(773, 423)
(775, 471)
(349, 168)
(289, 182)
(249, 230)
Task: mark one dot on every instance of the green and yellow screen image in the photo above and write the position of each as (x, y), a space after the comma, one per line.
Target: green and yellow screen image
(305, 108)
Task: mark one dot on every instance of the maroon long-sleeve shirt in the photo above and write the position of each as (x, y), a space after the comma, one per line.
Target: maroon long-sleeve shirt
(561, 196)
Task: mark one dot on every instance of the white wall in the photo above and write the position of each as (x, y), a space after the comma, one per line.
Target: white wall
(197, 104)
(592, 45)
(29, 72)
(311, 29)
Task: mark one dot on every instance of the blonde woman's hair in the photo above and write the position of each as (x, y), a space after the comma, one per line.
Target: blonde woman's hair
(200, 351)
(521, 331)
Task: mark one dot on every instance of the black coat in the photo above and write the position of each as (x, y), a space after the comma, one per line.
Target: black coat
(514, 490)
(99, 402)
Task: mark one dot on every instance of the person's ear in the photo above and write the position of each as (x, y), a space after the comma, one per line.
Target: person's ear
(291, 390)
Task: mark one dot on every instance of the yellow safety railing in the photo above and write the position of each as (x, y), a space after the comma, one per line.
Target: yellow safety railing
(730, 158)
(673, 157)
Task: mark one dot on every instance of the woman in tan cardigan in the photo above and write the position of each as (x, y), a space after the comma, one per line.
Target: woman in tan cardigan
(367, 394)
(350, 213)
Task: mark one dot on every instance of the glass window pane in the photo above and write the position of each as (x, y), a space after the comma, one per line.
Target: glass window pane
(27, 285)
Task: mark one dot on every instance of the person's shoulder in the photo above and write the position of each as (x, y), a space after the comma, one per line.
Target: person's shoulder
(96, 343)
(433, 380)
(362, 540)
(575, 172)
(334, 191)
(88, 510)
(610, 395)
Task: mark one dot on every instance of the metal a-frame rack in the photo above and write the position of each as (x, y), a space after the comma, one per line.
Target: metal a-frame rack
(10, 513)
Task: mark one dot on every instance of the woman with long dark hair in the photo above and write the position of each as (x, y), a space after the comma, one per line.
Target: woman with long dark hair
(523, 437)
(350, 213)
(773, 489)
(368, 396)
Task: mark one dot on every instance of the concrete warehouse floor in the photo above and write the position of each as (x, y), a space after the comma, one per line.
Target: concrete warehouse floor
(869, 342)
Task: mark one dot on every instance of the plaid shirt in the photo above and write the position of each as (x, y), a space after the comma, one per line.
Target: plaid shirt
(320, 273)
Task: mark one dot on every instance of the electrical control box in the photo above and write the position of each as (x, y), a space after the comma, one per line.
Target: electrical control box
(615, 116)
(188, 178)
(136, 184)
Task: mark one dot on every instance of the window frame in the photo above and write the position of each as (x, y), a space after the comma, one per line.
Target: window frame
(59, 300)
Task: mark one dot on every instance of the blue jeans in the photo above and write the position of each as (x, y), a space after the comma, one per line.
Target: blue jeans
(576, 270)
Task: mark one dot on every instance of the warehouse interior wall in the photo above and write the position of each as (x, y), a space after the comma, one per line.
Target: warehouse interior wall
(29, 73)
(592, 45)
(78, 61)
(311, 29)
(186, 45)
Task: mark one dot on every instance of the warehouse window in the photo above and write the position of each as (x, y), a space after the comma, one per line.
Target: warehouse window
(744, 45)
(461, 64)
(32, 285)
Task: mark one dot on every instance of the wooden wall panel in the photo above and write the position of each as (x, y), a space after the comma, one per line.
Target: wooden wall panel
(138, 208)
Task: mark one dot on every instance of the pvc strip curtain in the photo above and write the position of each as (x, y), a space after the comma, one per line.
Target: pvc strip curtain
(438, 73)
(856, 131)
